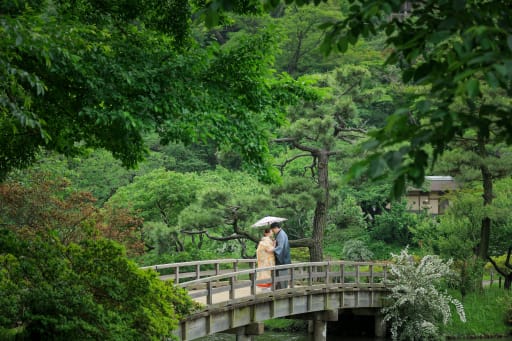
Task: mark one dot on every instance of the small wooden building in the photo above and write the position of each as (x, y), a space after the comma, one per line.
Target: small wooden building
(430, 197)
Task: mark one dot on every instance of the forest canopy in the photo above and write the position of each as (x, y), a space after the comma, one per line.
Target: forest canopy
(80, 75)
(461, 51)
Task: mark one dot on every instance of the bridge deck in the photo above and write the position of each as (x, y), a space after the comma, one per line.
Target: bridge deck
(220, 297)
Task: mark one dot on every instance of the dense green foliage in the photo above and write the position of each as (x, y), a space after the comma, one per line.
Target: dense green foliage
(111, 73)
(82, 291)
(457, 50)
(200, 113)
(393, 226)
(456, 234)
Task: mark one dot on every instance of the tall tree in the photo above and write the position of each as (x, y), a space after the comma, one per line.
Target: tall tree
(457, 233)
(488, 155)
(319, 129)
(486, 160)
(300, 45)
(456, 49)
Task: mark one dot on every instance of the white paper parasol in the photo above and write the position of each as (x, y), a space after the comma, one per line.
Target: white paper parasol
(266, 221)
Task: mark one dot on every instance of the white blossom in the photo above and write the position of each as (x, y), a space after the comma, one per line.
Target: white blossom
(416, 306)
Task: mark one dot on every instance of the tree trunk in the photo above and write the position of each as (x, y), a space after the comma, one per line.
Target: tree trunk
(502, 272)
(485, 230)
(294, 60)
(320, 219)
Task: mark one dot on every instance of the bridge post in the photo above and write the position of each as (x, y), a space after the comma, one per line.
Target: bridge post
(246, 333)
(319, 330)
(380, 326)
(317, 327)
(241, 336)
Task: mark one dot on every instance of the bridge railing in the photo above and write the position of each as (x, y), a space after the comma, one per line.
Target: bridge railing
(229, 285)
(194, 270)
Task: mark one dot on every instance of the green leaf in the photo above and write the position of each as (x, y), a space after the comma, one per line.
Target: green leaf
(356, 171)
(342, 44)
(377, 167)
(211, 19)
(325, 25)
(492, 79)
(398, 188)
(459, 5)
(473, 87)
(424, 106)
(370, 144)
(394, 159)
(439, 36)
(502, 70)
(463, 75)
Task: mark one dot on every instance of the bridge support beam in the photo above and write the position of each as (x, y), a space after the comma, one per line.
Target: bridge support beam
(380, 326)
(324, 315)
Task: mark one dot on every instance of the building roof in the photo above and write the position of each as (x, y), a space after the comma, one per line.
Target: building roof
(439, 177)
(437, 183)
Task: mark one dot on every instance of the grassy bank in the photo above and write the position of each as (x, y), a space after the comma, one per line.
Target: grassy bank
(485, 314)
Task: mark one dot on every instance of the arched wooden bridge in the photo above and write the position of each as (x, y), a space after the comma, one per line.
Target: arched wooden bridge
(234, 303)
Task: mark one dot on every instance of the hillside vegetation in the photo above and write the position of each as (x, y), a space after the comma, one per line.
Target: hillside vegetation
(149, 132)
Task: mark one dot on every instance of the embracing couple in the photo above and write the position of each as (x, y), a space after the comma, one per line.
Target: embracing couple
(273, 251)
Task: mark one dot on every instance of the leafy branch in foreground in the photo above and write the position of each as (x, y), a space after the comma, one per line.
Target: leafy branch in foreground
(113, 73)
(417, 306)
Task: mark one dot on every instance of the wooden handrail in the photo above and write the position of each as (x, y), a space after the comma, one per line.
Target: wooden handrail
(199, 262)
(181, 272)
(340, 274)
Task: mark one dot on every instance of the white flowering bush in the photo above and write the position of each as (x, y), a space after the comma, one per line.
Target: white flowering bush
(417, 307)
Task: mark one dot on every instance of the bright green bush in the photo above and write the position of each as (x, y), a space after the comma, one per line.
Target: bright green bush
(393, 226)
(81, 292)
(356, 250)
